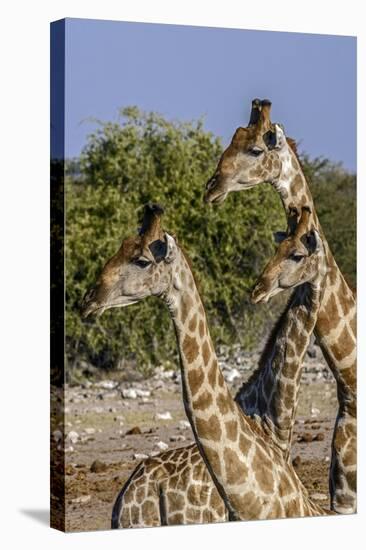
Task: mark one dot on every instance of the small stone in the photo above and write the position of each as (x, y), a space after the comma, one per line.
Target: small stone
(119, 417)
(140, 456)
(98, 467)
(89, 431)
(163, 416)
(319, 437)
(175, 438)
(143, 393)
(305, 438)
(134, 431)
(98, 410)
(73, 437)
(129, 393)
(162, 446)
(81, 500)
(296, 461)
(183, 425)
(106, 384)
(315, 411)
(231, 375)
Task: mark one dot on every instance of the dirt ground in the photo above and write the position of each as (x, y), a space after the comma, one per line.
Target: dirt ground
(101, 453)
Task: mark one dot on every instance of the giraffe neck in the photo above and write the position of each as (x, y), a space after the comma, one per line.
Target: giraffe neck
(272, 391)
(239, 457)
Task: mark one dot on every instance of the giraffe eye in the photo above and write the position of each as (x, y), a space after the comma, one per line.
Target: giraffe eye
(141, 262)
(296, 257)
(255, 151)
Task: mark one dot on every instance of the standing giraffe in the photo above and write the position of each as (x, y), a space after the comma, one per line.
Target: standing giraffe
(261, 153)
(250, 472)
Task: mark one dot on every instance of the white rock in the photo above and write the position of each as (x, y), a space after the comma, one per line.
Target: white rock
(89, 431)
(184, 425)
(142, 393)
(81, 500)
(98, 410)
(162, 445)
(231, 375)
(163, 416)
(57, 435)
(129, 393)
(72, 437)
(69, 449)
(315, 411)
(177, 438)
(106, 384)
(140, 456)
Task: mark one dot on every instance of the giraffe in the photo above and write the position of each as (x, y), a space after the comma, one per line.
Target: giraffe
(250, 472)
(261, 153)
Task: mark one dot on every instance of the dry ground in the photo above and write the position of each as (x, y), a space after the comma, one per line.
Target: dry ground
(100, 454)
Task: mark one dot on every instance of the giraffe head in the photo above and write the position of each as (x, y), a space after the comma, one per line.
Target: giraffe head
(298, 259)
(142, 267)
(255, 155)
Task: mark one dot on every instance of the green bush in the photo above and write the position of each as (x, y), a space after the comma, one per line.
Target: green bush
(142, 158)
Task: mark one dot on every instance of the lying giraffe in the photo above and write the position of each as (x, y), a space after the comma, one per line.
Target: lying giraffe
(261, 153)
(175, 487)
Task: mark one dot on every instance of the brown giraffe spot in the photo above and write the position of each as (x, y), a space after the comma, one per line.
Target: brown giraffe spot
(176, 501)
(195, 379)
(349, 377)
(350, 456)
(135, 513)
(173, 481)
(193, 495)
(126, 517)
(236, 470)
(128, 496)
(203, 401)
(220, 379)
(260, 460)
(190, 348)
(231, 428)
(193, 323)
(328, 319)
(206, 353)
(176, 519)
(140, 494)
(212, 373)
(201, 310)
(201, 328)
(196, 457)
(297, 184)
(344, 346)
(264, 479)
(294, 163)
(285, 486)
(187, 304)
(244, 444)
(248, 502)
(193, 516)
(213, 460)
(215, 499)
(223, 403)
(340, 439)
(206, 516)
(209, 429)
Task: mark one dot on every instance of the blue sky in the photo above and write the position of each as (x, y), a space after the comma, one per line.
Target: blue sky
(187, 72)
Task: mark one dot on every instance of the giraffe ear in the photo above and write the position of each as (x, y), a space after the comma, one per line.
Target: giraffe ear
(280, 138)
(312, 241)
(171, 248)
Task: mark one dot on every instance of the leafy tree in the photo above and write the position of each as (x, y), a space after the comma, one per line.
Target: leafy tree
(143, 157)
